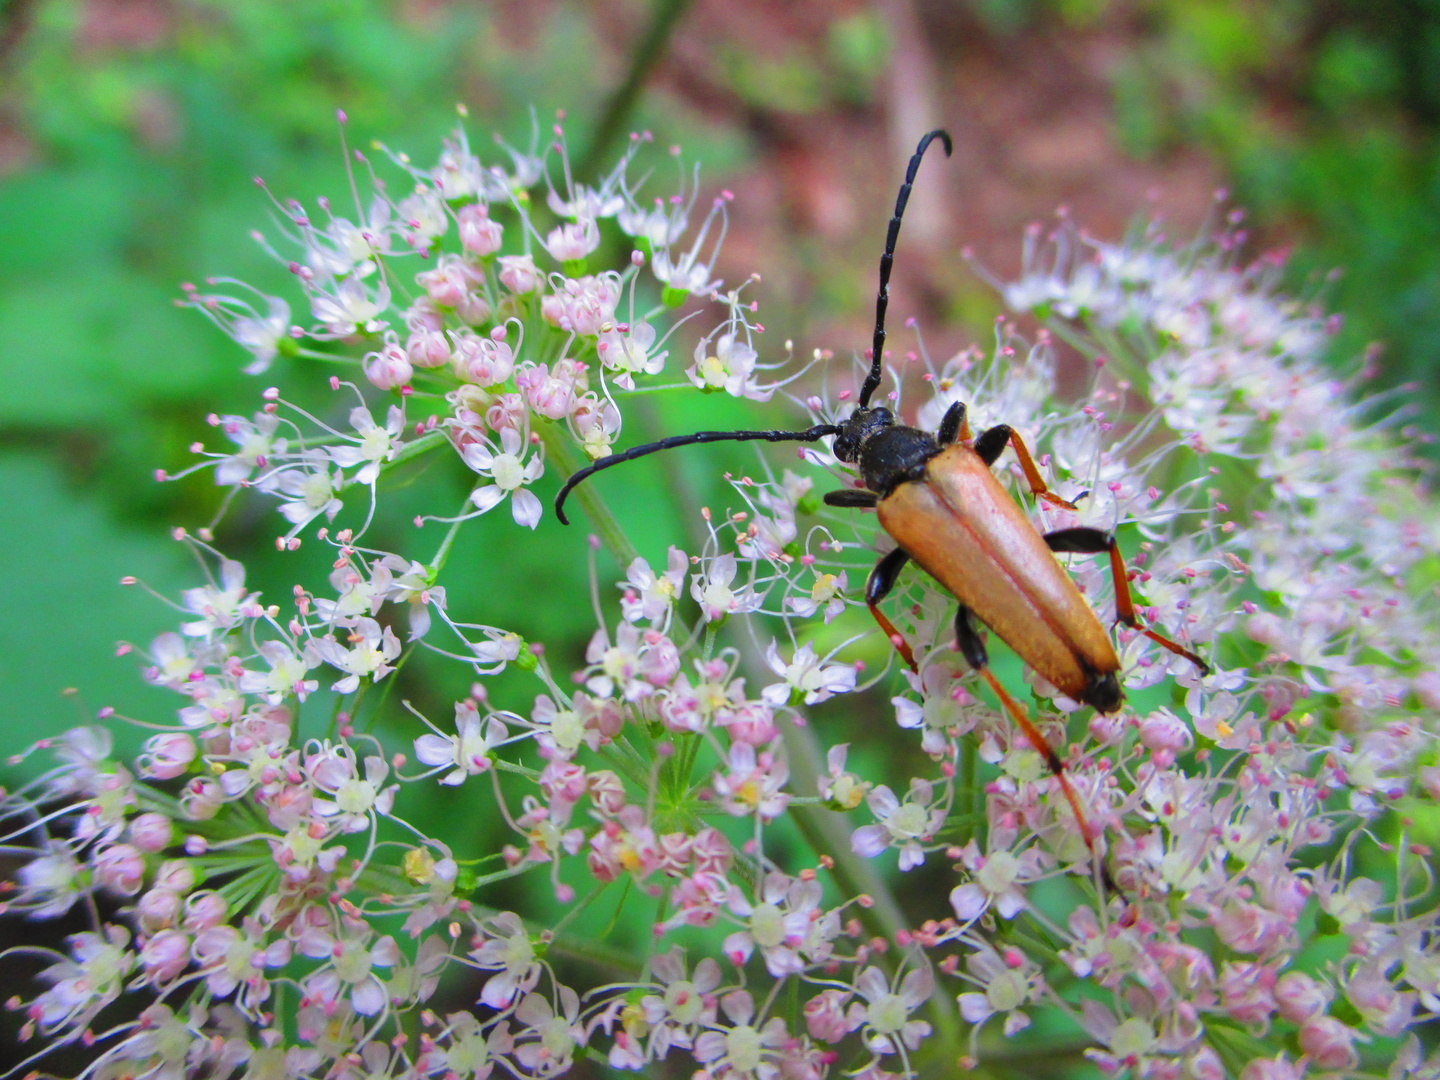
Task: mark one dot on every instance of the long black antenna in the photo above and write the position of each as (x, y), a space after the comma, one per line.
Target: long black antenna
(882, 300)
(813, 434)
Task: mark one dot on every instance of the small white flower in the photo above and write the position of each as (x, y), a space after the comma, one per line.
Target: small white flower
(806, 677)
(469, 749)
(371, 650)
(510, 471)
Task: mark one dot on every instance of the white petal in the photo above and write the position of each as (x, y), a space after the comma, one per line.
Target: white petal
(488, 497)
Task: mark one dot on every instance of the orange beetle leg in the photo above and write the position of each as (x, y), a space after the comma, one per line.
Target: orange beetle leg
(972, 645)
(992, 442)
(1043, 748)
(1087, 541)
(1125, 610)
(896, 638)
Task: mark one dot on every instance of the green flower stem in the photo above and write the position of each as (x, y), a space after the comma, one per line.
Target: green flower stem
(558, 450)
(665, 14)
(443, 552)
(431, 440)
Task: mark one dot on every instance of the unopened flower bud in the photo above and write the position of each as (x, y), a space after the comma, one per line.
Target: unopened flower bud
(120, 868)
(389, 368)
(428, 348)
(1328, 1043)
(152, 832)
(479, 235)
(204, 910)
(518, 273)
(177, 875)
(165, 956)
(167, 756)
(158, 908)
(1164, 732)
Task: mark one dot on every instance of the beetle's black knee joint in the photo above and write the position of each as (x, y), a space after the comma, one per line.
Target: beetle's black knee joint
(991, 444)
(884, 576)
(853, 498)
(967, 636)
(1080, 541)
(952, 423)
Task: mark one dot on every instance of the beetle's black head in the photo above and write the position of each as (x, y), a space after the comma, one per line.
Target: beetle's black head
(858, 428)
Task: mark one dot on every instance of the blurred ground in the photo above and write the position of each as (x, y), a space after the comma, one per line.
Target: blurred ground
(1032, 120)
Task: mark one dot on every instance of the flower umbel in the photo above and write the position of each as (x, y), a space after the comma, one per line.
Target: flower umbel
(1250, 891)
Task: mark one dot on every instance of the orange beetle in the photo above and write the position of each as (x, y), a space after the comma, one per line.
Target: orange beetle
(938, 500)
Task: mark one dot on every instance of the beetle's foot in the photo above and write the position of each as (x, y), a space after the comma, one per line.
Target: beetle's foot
(1056, 500)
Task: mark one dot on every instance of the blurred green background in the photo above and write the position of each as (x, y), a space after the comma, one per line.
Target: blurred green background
(130, 131)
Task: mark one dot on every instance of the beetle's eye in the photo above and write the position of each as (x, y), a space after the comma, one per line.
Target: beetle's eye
(844, 448)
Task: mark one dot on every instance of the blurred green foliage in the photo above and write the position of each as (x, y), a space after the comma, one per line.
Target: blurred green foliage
(1326, 113)
(1325, 116)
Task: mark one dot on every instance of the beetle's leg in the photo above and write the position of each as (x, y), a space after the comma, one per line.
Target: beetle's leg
(1085, 541)
(953, 426)
(991, 444)
(972, 646)
(852, 497)
(882, 580)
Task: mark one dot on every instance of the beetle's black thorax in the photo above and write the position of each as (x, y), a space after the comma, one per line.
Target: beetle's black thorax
(892, 456)
(887, 453)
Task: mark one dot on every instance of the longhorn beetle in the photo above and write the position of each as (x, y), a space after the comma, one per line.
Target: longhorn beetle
(937, 498)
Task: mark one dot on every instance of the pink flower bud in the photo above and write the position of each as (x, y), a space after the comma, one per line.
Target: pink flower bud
(120, 868)
(550, 397)
(825, 1016)
(152, 832)
(428, 348)
(201, 799)
(711, 851)
(167, 756)
(175, 874)
(607, 792)
(660, 663)
(479, 235)
(481, 360)
(552, 309)
(1245, 992)
(1329, 1043)
(448, 283)
(518, 273)
(563, 780)
(1205, 1064)
(165, 956)
(1273, 1069)
(573, 240)
(753, 723)
(674, 851)
(1164, 732)
(389, 368)
(204, 910)
(1107, 730)
(473, 309)
(509, 411)
(158, 908)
